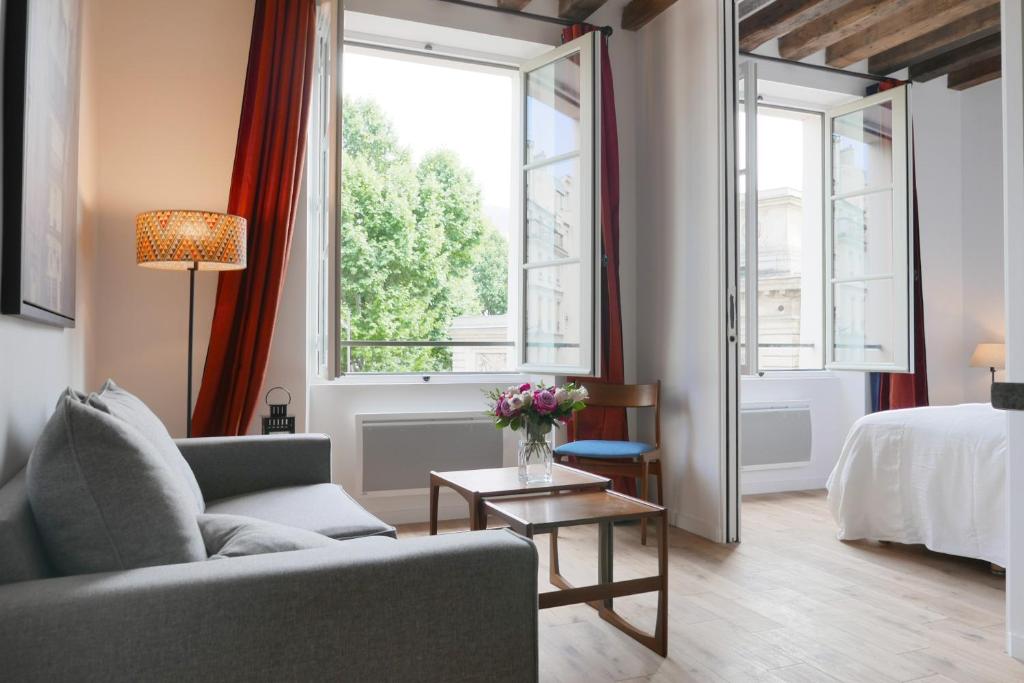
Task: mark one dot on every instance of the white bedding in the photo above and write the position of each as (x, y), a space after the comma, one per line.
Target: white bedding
(925, 475)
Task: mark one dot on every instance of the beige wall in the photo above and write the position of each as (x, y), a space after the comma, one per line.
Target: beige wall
(167, 79)
(38, 361)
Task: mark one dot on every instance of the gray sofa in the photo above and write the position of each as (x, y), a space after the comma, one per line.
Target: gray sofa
(456, 607)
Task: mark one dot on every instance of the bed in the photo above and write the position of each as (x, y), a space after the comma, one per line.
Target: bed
(934, 476)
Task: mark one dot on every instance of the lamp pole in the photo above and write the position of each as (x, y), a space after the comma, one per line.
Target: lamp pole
(191, 316)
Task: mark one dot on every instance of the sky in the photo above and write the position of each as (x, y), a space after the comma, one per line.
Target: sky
(780, 139)
(444, 104)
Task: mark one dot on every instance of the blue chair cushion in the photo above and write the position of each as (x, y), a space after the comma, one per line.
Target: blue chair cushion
(605, 449)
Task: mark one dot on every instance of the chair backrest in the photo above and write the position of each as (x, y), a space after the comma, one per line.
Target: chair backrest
(628, 396)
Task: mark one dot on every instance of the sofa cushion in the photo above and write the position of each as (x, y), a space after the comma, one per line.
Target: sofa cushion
(21, 550)
(237, 536)
(125, 406)
(104, 499)
(323, 508)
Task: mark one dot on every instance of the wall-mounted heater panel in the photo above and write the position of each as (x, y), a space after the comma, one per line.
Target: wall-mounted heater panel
(775, 435)
(399, 450)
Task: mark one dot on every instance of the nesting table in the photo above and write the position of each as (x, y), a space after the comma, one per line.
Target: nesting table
(476, 486)
(572, 498)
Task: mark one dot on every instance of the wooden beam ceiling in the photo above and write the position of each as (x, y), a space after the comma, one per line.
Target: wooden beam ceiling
(781, 17)
(513, 4)
(975, 74)
(956, 60)
(744, 8)
(578, 10)
(638, 13)
(916, 18)
(852, 18)
(980, 24)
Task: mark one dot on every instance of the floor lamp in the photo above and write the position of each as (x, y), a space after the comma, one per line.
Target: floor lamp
(190, 240)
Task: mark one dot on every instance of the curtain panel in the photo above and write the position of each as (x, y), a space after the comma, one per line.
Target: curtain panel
(265, 187)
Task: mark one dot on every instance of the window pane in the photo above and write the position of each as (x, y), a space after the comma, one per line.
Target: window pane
(789, 240)
(553, 211)
(862, 149)
(864, 321)
(863, 235)
(553, 109)
(427, 208)
(552, 315)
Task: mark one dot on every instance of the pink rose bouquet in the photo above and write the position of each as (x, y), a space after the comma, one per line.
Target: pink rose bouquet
(535, 407)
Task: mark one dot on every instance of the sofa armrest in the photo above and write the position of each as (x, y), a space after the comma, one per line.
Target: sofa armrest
(232, 465)
(435, 608)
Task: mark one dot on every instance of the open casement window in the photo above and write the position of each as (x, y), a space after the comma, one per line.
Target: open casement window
(868, 238)
(559, 242)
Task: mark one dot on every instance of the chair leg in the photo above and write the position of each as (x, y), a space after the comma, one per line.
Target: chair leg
(644, 476)
(661, 492)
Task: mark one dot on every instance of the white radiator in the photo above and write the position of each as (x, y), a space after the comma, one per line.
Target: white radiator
(775, 435)
(398, 451)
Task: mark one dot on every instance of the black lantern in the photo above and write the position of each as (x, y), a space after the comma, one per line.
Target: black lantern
(279, 421)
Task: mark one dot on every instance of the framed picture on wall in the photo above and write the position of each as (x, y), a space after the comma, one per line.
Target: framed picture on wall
(41, 52)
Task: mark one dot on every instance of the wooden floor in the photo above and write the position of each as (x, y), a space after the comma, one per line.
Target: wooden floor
(789, 603)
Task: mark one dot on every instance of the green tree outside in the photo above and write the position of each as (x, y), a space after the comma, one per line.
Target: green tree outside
(416, 249)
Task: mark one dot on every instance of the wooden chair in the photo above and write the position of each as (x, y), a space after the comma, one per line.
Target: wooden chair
(635, 459)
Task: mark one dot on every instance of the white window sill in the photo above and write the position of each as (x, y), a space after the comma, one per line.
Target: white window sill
(496, 379)
(790, 375)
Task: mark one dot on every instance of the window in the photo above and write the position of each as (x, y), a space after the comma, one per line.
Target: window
(828, 230)
(466, 236)
(789, 234)
(427, 192)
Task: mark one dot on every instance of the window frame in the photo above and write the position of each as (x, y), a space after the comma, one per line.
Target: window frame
(901, 229)
(430, 53)
(590, 258)
(751, 304)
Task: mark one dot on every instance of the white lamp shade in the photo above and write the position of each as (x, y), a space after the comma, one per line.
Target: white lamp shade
(989, 355)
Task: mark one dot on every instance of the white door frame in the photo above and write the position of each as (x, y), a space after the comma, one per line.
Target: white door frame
(1013, 236)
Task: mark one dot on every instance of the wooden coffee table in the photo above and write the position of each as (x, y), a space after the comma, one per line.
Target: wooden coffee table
(531, 515)
(478, 485)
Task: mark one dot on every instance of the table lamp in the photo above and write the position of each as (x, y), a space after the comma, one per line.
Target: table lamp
(190, 240)
(989, 355)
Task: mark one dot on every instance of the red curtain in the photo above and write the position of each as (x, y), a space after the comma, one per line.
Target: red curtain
(606, 423)
(908, 390)
(264, 189)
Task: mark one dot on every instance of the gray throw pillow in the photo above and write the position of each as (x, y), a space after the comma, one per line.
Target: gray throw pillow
(236, 536)
(125, 406)
(103, 499)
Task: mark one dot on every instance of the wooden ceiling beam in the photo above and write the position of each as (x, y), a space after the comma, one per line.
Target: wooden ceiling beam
(578, 10)
(973, 27)
(517, 5)
(956, 60)
(850, 19)
(638, 13)
(975, 74)
(744, 8)
(780, 18)
(916, 18)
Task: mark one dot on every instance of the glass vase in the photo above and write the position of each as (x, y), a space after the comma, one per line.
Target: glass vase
(534, 459)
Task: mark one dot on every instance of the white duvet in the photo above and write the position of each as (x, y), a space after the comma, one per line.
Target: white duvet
(933, 475)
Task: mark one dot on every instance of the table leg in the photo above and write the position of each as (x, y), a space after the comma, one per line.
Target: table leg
(606, 553)
(661, 627)
(434, 493)
(477, 514)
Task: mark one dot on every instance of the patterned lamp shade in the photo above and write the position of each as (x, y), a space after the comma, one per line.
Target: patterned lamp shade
(179, 240)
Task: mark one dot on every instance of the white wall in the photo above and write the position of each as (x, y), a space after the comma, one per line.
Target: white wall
(168, 80)
(958, 151)
(984, 311)
(38, 361)
(836, 399)
(679, 246)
